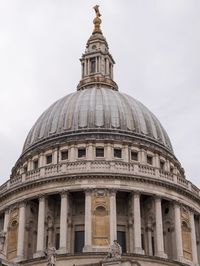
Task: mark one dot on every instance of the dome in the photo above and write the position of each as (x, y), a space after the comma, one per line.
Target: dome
(97, 110)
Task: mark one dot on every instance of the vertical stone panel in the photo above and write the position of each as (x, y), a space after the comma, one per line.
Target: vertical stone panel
(100, 218)
(186, 234)
(13, 234)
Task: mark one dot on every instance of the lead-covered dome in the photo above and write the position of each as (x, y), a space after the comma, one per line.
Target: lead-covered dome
(97, 110)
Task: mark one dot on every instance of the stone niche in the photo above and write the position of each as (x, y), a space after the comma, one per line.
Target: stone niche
(13, 234)
(100, 218)
(186, 234)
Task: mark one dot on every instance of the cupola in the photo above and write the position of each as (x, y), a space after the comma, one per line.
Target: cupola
(97, 62)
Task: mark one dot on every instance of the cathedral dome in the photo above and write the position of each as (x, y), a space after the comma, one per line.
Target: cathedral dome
(97, 110)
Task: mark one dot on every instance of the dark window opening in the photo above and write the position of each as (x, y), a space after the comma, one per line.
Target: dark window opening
(162, 165)
(134, 156)
(57, 244)
(25, 168)
(171, 169)
(49, 159)
(64, 155)
(35, 164)
(79, 241)
(47, 240)
(142, 239)
(117, 153)
(92, 65)
(99, 152)
(166, 210)
(149, 159)
(81, 152)
(153, 246)
(121, 239)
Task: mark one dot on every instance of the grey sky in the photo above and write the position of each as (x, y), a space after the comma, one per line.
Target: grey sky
(155, 44)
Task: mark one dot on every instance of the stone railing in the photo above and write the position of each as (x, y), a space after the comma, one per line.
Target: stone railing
(112, 167)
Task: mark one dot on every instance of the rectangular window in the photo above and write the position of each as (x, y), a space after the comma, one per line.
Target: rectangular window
(149, 159)
(117, 153)
(35, 164)
(171, 169)
(57, 241)
(48, 158)
(64, 155)
(99, 152)
(79, 241)
(25, 168)
(162, 165)
(121, 239)
(93, 65)
(81, 152)
(134, 155)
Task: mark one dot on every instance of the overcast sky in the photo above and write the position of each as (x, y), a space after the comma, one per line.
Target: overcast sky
(156, 46)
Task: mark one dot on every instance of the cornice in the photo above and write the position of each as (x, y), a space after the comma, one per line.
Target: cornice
(37, 183)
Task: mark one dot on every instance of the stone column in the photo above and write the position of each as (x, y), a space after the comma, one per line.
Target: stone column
(41, 228)
(90, 153)
(109, 152)
(5, 229)
(149, 238)
(126, 153)
(63, 222)
(21, 231)
(142, 158)
(55, 156)
(72, 153)
(107, 67)
(194, 242)
(88, 67)
(137, 224)
(6, 220)
(113, 217)
(178, 232)
(88, 221)
(159, 229)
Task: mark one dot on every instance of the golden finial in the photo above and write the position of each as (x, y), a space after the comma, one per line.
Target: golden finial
(97, 20)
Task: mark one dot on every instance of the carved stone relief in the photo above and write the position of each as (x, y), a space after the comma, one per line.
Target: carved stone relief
(100, 218)
(186, 234)
(13, 234)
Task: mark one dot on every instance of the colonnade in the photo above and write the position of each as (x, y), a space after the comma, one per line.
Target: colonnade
(136, 211)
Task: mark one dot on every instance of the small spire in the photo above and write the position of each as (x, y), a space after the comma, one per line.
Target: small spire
(97, 21)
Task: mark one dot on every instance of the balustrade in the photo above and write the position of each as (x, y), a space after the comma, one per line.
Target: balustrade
(100, 166)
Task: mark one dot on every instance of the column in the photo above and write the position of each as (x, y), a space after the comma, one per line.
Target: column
(63, 222)
(85, 66)
(137, 224)
(88, 67)
(109, 154)
(113, 217)
(90, 152)
(72, 153)
(21, 231)
(194, 242)
(107, 66)
(149, 239)
(40, 229)
(5, 230)
(178, 232)
(6, 220)
(88, 221)
(142, 154)
(159, 229)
